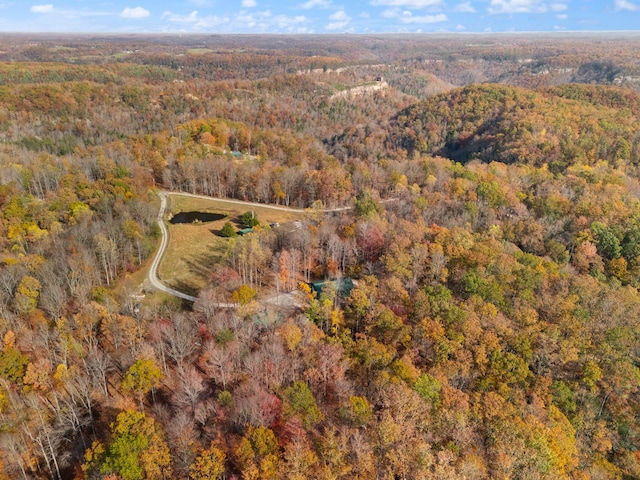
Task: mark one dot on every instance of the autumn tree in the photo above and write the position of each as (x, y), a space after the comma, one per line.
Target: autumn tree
(299, 401)
(208, 465)
(141, 378)
(137, 450)
(257, 454)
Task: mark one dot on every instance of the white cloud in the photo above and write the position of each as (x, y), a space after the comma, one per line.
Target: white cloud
(42, 8)
(559, 7)
(176, 18)
(626, 5)
(406, 3)
(336, 25)
(255, 22)
(460, 28)
(340, 15)
(364, 15)
(339, 20)
(465, 7)
(285, 22)
(137, 12)
(562, 16)
(315, 3)
(391, 13)
(517, 6)
(248, 21)
(407, 17)
(249, 3)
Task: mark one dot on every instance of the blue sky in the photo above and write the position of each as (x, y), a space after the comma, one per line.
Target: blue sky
(319, 16)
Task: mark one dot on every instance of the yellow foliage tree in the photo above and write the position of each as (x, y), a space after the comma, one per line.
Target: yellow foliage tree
(209, 465)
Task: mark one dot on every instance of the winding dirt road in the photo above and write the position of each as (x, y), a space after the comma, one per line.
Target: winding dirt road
(164, 241)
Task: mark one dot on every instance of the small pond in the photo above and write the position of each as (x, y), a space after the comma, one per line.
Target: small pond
(192, 217)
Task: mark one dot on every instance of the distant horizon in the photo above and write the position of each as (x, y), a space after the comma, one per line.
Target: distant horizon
(320, 34)
(321, 17)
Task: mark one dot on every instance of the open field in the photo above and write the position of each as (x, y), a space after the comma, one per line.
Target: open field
(195, 248)
(199, 51)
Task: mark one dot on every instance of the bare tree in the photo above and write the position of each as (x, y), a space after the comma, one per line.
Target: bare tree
(181, 433)
(14, 449)
(39, 428)
(189, 389)
(219, 361)
(98, 365)
(179, 336)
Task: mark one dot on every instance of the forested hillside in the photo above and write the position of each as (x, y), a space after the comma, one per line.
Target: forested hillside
(480, 312)
(559, 127)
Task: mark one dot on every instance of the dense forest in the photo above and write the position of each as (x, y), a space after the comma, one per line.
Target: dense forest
(492, 239)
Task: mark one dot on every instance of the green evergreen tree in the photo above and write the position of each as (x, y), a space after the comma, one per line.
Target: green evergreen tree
(228, 230)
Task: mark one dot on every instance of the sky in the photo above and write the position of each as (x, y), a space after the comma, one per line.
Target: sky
(319, 16)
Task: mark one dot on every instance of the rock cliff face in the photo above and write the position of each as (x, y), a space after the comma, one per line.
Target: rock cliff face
(360, 90)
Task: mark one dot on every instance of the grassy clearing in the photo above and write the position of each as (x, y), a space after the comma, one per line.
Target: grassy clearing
(195, 248)
(180, 203)
(198, 51)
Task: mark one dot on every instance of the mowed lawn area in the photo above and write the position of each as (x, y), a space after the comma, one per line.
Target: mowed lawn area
(194, 248)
